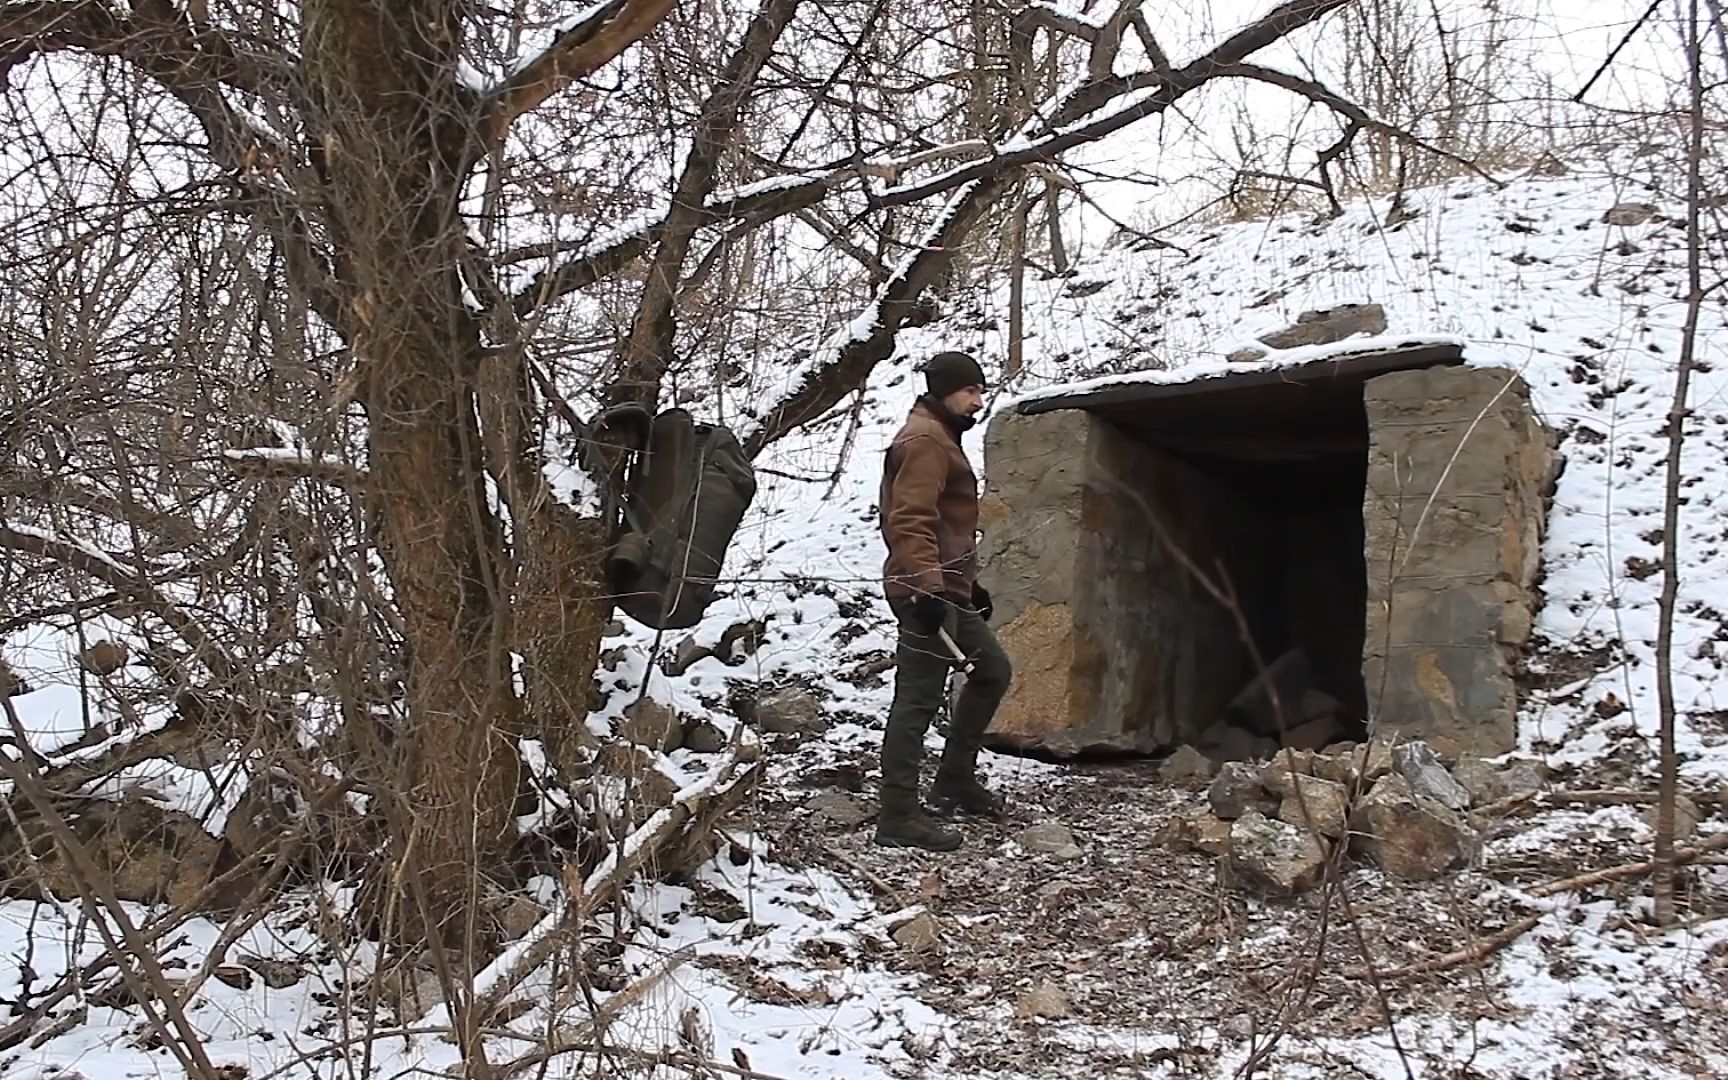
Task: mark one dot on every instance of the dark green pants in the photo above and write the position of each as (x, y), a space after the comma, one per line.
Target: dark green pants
(920, 683)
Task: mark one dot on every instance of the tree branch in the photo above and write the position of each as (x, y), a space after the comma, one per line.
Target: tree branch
(648, 348)
(578, 51)
(124, 581)
(1348, 109)
(763, 201)
(849, 357)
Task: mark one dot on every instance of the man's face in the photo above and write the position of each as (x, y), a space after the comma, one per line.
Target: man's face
(966, 401)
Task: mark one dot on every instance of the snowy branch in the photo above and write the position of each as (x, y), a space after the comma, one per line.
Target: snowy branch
(271, 460)
(192, 63)
(122, 579)
(648, 347)
(585, 44)
(699, 805)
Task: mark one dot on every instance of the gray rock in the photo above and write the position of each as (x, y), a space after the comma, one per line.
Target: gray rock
(519, 915)
(688, 653)
(921, 933)
(1049, 838)
(653, 724)
(1489, 783)
(840, 808)
(1045, 1001)
(790, 711)
(1274, 856)
(277, 974)
(1521, 777)
(1275, 775)
(1327, 803)
(1417, 763)
(1237, 790)
(1377, 758)
(1625, 214)
(1197, 830)
(1479, 778)
(1341, 763)
(1186, 766)
(1246, 356)
(1410, 836)
(1327, 325)
(704, 738)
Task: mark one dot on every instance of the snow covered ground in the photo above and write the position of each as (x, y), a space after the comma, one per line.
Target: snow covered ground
(804, 980)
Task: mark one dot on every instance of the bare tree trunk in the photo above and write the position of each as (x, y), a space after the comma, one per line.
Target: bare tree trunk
(1677, 413)
(1016, 361)
(393, 136)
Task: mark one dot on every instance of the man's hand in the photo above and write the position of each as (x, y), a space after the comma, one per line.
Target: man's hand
(981, 602)
(929, 612)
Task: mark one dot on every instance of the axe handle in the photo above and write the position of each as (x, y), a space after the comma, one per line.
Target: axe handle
(964, 660)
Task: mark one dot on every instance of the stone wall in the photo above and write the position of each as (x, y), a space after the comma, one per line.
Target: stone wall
(1116, 645)
(1092, 539)
(1458, 470)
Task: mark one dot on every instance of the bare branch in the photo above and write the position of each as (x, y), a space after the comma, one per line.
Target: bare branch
(763, 201)
(648, 348)
(124, 581)
(577, 52)
(850, 358)
(1351, 111)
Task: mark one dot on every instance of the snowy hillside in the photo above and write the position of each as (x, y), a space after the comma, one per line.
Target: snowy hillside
(780, 959)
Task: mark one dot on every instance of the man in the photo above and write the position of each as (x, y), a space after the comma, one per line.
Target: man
(929, 518)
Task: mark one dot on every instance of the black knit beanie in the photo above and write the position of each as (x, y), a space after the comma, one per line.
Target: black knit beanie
(947, 372)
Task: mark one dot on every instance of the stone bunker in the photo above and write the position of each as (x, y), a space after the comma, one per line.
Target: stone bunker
(1291, 555)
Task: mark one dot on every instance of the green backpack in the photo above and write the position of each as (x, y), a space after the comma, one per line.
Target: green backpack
(686, 489)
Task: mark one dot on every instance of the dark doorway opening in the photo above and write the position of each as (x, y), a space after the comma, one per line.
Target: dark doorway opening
(1257, 484)
(1293, 574)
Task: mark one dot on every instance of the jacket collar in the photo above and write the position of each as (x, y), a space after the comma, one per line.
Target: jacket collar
(956, 424)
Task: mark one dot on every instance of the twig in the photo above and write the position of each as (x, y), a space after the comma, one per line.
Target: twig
(1614, 873)
(1482, 948)
(883, 889)
(1476, 951)
(593, 1031)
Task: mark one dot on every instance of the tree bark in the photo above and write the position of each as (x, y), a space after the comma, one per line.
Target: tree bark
(392, 132)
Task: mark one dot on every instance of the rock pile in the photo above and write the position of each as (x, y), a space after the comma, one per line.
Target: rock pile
(1274, 824)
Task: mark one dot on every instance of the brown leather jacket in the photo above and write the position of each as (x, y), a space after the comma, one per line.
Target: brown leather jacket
(929, 510)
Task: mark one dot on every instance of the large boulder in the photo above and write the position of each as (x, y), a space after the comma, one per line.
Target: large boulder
(1408, 835)
(1453, 543)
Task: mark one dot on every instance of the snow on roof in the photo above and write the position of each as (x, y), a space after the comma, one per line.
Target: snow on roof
(1305, 362)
